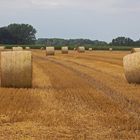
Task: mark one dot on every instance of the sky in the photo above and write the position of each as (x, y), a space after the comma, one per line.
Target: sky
(90, 19)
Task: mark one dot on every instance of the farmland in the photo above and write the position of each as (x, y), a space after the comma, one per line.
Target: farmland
(74, 96)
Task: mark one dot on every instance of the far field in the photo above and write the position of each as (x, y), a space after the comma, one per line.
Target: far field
(74, 97)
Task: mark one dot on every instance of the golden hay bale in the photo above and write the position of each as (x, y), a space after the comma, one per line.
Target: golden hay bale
(81, 49)
(2, 48)
(74, 49)
(131, 65)
(50, 51)
(17, 48)
(42, 48)
(110, 49)
(90, 49)
(27, 48)
(16, 69)
(65, 50)
(134, 50)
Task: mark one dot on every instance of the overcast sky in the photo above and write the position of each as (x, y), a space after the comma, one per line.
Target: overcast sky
(92, 19)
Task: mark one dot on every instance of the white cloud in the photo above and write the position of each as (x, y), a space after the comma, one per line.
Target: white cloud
(95, 5)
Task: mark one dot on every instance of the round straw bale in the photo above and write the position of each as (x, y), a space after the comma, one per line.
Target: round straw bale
(42, 48)
(16, 69)
(110, 49)
(17, 48)
(74, 49)
(50, 51)
(90, 49)
(27, 48)
(134, 50)
(131, 65)
(64, 50)
(81, 49)
(2, 48)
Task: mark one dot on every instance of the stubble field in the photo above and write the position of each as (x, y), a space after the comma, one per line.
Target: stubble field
(79, 96)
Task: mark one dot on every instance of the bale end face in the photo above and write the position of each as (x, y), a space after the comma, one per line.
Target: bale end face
(50, 51)
(131, 65)
(16, 69)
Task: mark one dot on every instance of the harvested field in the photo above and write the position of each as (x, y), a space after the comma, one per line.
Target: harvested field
(79, 96)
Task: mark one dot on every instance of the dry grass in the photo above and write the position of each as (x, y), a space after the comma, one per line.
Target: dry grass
(74, 96)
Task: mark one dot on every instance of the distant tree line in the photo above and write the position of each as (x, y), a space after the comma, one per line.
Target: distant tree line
(119, 41)
(124, 41)
(17, 34)
(68, 42)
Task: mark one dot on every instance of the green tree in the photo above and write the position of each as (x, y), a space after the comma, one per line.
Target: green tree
(122, 41)
(5, 36)
(17, 34)
(68, 42)
(22, 33)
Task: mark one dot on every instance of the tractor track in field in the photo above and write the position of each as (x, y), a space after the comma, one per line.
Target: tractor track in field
(113, 61)
(96, 58)
(100, 56)
(91, 68)
(116, 96)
